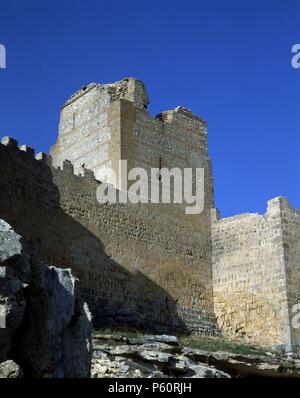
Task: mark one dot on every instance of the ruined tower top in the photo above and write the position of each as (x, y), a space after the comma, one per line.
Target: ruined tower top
(129, 88)
(104, 123)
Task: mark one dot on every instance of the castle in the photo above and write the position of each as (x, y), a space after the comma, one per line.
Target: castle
(151, 264)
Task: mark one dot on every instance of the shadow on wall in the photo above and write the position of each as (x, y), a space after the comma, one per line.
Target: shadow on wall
(30, 201)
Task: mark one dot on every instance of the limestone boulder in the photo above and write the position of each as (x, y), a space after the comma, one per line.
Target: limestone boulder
(44, 323)
(10, 370)
(10, 245)
(14, 270)
(151, 356)
(57, 327)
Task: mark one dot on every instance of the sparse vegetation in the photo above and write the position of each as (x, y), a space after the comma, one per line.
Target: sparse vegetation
(118, 332)
(219, 344)
(201, 342)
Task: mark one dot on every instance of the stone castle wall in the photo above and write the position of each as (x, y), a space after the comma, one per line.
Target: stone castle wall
(151, 264)
(137, 263)
(256, 274)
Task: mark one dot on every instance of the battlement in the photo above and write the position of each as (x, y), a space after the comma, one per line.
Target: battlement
(11, 145)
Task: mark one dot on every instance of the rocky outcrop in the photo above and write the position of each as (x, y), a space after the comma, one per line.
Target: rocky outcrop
(14, 270)
(10, 245)
(55, 335)
(10, 370)
(163, 356)
(238, 365)
(149, 356)
(46, 326)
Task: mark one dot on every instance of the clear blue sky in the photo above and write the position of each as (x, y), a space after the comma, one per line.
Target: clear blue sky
(229, 61)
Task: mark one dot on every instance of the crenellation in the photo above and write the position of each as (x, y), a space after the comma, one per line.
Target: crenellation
(27, 149)
(43, 157)
(9, 142)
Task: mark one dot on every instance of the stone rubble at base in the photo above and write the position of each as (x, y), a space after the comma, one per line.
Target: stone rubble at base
(117, 356)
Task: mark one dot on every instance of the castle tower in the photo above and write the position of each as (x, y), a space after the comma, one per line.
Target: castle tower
(104, 123)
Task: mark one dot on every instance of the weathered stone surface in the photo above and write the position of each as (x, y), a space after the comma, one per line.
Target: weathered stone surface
(238, 365)
(256, 276)
(122, 368)
(12, 307)
(141, 360)
(47, 324)
(161, 339)
(78, 343)
(57, 344)
(14, 268)
(146, 359)
(206, 372)
(155, 356)
(10, 370)
(10, 244)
